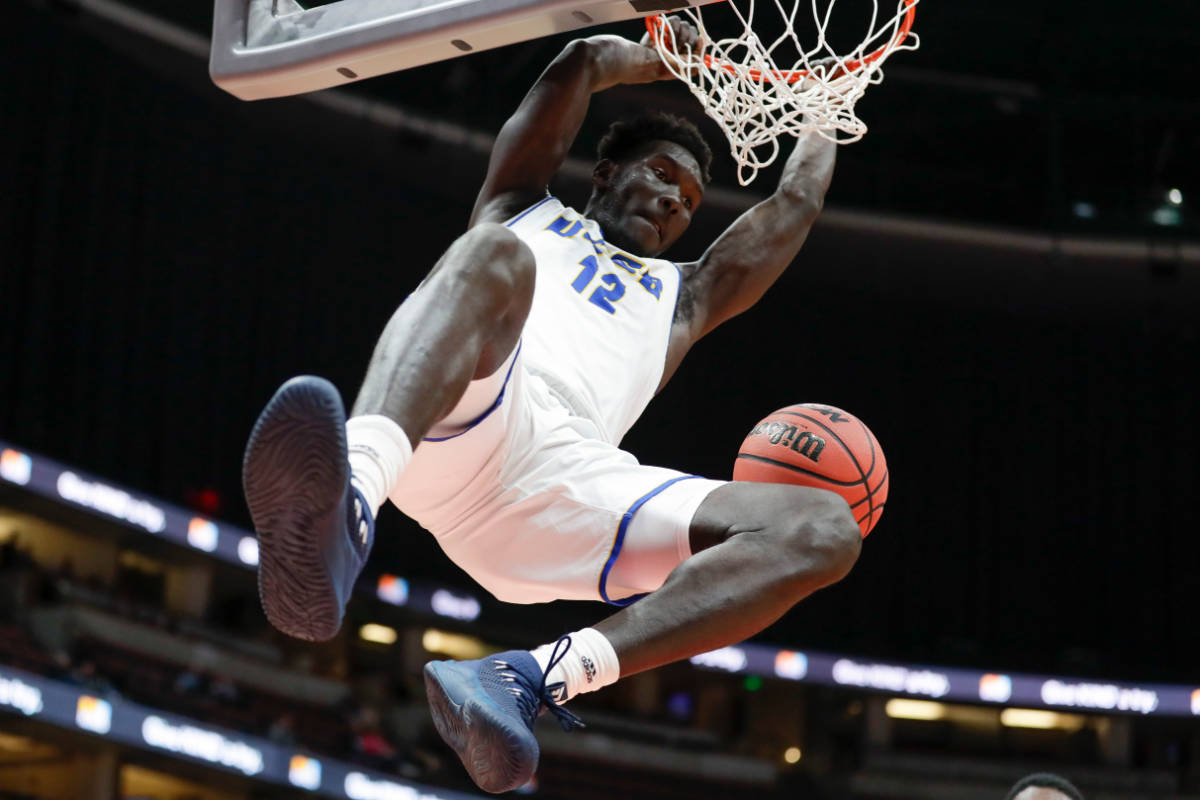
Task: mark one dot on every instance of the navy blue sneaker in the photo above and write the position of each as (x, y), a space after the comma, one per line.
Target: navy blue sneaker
(485, 710)
(314, 529)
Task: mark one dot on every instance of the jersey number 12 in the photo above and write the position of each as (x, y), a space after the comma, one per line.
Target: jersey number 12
(603, 296)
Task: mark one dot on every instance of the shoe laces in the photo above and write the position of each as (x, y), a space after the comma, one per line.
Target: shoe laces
(532, 700)
(361, 521)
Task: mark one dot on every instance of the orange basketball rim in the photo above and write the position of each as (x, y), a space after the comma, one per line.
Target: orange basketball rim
(657, 23)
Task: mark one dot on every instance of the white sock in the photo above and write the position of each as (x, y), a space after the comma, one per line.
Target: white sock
(379, 452)
(590, 664)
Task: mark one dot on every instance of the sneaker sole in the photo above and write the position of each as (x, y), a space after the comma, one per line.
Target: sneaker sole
(497, 756)
(294, 477)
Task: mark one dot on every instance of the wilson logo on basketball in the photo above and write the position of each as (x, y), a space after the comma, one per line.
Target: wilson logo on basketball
(805, 443)
(786, 445)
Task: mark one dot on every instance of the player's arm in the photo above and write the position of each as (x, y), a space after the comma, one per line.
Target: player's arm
(755, 250)
(535, 140)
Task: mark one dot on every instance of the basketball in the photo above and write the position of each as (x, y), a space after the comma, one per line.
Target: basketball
(820, 446)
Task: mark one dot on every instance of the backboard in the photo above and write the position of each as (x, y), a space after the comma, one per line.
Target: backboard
(274, 48)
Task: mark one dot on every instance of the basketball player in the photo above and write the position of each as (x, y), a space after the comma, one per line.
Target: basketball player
(495, 402)
(1043, 786)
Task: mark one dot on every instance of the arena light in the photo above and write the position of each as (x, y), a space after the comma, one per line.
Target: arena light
(203, 743)
(1100, 696)
(726, 659)
(15, 467)
(379, 634)
(16, 693)
(111, 501)
(1040, 719)
(1175, 197)
(995, 687)
(448, 604)
(1166, 215)
(392, 589)
(202, 534)
(305, 772)
(247, 551)
(170, 735)
(791, 665)
(900, 708)
(899, 678)
(455, 645)
(93, 714)
(56, 482)
(792, 755)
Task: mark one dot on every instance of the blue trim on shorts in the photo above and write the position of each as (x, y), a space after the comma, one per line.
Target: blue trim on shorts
(484, 415)
(520, 216)
(627, 518)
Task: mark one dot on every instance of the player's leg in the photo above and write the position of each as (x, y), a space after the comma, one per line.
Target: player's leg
(759, 549)
(312, 503)
(460, 326)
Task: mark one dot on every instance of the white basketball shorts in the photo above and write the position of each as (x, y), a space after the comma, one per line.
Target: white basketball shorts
(523, 495)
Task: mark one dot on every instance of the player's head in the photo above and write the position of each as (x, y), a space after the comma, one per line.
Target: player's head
(649, 181)
(1043, 786)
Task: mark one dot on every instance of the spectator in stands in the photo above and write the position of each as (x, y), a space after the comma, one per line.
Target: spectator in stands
(1043, 786)
(283, 730)
(369, 742)
(18, 579)
(192, 681)
(222, 689)
(86, 676)
(66, 570)
(14, 557)
(60, 665)
(195, 679)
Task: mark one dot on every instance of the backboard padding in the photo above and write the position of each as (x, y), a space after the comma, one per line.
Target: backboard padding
(274, 48)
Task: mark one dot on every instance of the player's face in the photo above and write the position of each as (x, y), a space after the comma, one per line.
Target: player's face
(649, 198)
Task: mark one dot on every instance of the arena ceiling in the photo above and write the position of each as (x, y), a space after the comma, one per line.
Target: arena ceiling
(1070, 116)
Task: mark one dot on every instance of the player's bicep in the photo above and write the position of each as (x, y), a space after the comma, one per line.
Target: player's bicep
(747, 258)
(533, 143)
(525, 157)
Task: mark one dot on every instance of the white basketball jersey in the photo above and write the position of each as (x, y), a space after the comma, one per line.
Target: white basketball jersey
(601, 318)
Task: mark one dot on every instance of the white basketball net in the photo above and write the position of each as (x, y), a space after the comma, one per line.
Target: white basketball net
(755, 100)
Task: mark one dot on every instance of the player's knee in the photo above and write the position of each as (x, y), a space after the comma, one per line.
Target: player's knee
(498, 261)
(823, 538)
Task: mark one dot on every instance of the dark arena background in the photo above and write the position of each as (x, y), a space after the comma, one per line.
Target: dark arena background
(1005, 285)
